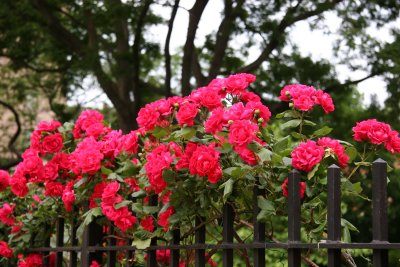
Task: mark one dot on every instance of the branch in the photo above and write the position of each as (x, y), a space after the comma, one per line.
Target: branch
(168, 74)
(223, 34)
(277, 34)
(13, 139)
(136, 52)
(57, 30)
(195, 14)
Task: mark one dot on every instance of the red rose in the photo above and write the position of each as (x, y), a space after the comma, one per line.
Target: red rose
(186, 114)
(285, 188)
(53, 189)
(337, 148)
(307, 155)
(215, 122)
(110, 192)
(242, 132)
(18, 185)
(148, 117)
(148, 224)
(5, 250)
(4, 180)
(6, 214)
(163, 218)
(205, 162)
(52, 143)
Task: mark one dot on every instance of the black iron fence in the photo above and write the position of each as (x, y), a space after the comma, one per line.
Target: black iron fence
(93, 247)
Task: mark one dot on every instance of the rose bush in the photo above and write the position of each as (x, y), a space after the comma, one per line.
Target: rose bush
(195, 153)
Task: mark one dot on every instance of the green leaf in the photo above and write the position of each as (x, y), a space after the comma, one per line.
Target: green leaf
(105, 170)
(254, 147)
(298, 135)
(141, 244)
(287, 161)
(347, 224)
(186, 133)
(312, 172)
(122, 204)
(281, 144)
(320, 228)
(288, 114)
(89, 216)
(309, 123)
(168, 175)
(363, 163)
(128, 169)
(265, 155)
(80, 182)
(235, 172)
(323, 131)
(150, 209)
(159, 132)
(351, 152)
(139, 193)
(276, 159)
(267, 208)
(228, 187)
(357, 187)
(291, 124)
(346, 235)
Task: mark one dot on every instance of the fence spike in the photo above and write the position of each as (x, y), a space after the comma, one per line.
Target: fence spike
(334, 214)
(294, 254)
(379, 211)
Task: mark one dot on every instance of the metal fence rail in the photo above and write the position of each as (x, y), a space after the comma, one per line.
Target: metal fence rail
(92, 247)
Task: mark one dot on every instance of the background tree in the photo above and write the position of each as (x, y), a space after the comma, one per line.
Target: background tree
(110, 40)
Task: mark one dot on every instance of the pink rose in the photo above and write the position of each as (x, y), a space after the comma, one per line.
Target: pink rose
(53, 189)
(307, 155)
(186, 114)
(215, 122)
(163, 218)
(242, 132)
(4, 180)
(5, 250)
(148, 117)
(205, 162)
(52, 143)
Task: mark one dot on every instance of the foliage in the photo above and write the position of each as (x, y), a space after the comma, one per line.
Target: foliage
(195, 153)
(112, 41)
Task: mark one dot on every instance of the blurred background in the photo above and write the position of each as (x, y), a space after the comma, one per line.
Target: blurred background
(58, 57)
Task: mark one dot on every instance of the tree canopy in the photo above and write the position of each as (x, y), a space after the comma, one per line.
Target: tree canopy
(110, 40)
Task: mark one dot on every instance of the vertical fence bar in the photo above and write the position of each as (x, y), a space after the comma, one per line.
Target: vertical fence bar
(200, 238)
(334, 214)
(379, 211)
(151, 254)
(73, 259)
(46, 243)
(59, 240)
(111, 255)
(174, 258)
(259, 228)
(92, 236)
(294, 254)
(227, 220)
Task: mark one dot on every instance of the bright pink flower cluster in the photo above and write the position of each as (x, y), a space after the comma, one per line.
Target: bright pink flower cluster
(89, 123)
(121, 217)
(308, 154)
(163, 218)
(7, 214)
(337, 148)
(377, 133)
(4, 180)
(5, 250)
(201, 160)
(32, 260)
(46, 138)
(306, 97)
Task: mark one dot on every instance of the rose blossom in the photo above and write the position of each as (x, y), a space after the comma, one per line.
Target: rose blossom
(306, 155)
(4, 180)
(163, 218)
(52, 143)
(186, 114)
(5, 250)
(242, 132)
(205, 162)
(147, 224)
